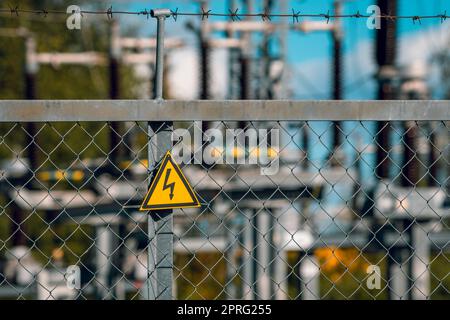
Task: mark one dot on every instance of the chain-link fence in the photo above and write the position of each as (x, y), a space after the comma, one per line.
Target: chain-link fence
(305, 206)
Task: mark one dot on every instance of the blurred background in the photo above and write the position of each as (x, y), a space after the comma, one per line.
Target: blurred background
(57, 207)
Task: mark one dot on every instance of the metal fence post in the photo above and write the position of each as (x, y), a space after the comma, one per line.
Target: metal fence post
(310, 277)
(248, 274)
(420, 261)
(263, 254)
(104, 252)
(160, 223)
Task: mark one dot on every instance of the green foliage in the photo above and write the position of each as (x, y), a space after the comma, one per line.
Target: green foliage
(440, 276)
(60, 145)
(200, 276)
(52, 35)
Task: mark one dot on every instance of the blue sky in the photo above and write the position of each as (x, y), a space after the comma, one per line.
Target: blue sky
(312, 45)
(309, 54)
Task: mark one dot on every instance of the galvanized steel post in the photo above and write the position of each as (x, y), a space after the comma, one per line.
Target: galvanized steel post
(160, 222)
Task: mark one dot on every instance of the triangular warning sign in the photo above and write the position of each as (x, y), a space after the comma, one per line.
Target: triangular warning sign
(169, 189)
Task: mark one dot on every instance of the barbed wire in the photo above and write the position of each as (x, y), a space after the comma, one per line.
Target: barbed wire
(232, 14)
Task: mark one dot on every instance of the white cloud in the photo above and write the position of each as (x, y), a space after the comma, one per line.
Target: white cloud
(184, 75)
(312, 79)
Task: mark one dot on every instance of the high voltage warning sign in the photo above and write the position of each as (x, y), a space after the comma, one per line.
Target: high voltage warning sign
(170, 189)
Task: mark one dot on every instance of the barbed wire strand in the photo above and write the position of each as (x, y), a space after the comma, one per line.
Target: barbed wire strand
(232, 14)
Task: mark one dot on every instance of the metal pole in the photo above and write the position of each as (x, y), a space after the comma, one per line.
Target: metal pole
(205, 67)
(310, 276)
(204, 56)
(160, 15)
(230, 257)
(232, 62)
(280, 274)
(104, 238)
(248, 281)
(31, 69)
(116, 130)
(337, 78)
(160, 222)
(410, 175)
(263, 255)
(398, 273)
(245, 62)
(386, 47)
(116, 133)
(420, 261)
(433, 157)
(18, 227)
(266, 88)
(305, 144)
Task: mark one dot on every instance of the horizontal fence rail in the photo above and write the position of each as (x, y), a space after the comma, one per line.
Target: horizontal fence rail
(248, 110)
(344, 199)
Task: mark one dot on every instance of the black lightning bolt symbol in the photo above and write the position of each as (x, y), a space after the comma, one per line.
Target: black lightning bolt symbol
(170, 186)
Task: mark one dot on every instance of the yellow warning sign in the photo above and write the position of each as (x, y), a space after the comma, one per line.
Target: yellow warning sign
(169, 189)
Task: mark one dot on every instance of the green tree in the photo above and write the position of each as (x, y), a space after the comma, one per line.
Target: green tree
(61, 146)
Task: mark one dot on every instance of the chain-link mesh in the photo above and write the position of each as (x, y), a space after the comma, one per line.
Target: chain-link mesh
(368, 218)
